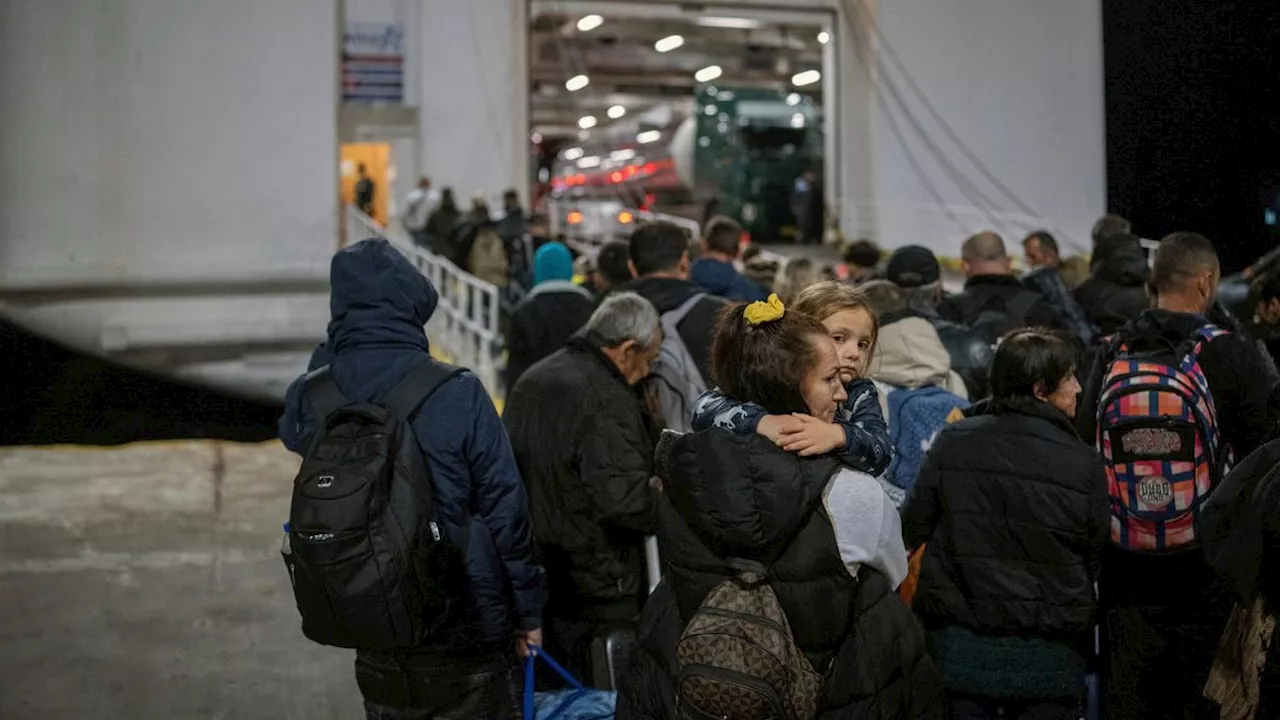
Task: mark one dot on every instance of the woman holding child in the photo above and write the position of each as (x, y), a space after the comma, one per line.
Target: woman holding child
(742, 517)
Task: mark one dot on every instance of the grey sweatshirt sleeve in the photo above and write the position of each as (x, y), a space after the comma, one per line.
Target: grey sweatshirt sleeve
(867, 528)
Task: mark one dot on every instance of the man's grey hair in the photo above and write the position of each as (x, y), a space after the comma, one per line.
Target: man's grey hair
(923, 298)
(625, 316)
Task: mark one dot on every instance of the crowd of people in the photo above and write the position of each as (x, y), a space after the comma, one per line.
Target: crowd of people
(871, 498)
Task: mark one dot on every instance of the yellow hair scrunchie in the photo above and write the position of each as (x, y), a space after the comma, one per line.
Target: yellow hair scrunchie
(764, 311)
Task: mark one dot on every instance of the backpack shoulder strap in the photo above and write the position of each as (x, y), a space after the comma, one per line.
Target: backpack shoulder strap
(677, 315)
(323, 392)
(406, 396)
(1021, 304)
(1195, 344)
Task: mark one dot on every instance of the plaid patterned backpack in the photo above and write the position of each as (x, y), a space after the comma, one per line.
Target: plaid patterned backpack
(1158, 433)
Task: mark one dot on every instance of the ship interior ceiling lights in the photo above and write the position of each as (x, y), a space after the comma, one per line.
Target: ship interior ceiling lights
(576, 83)
(808, 77)
(616, 112)
(668, 43)
(824, 37)
(649, 136)
(707, 74)
(733, 23)
(587, 122)
(589, 23)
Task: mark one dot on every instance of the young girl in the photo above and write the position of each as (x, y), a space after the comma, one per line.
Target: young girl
(859, 430)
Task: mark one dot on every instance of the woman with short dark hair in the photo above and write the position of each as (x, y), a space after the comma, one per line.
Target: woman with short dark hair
(1015, 513)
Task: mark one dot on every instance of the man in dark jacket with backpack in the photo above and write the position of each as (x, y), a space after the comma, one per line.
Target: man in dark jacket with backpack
(660, 262)
(994, 301)
(585, 447)
(1164, 609)
(380, 304)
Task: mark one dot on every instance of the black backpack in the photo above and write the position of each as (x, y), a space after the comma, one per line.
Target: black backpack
(369, 561)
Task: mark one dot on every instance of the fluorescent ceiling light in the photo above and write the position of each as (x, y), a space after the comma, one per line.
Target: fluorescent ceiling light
(824, 37)
(797, 120)
(589, 161)
(626, 154)
(668, 43)
(573, 153)
(587, 122)
(707, 74)
(576, 83)
(617, 111)
(649, 136)
(793, 99)
(808, 77)
(735, 23)
(590, 22)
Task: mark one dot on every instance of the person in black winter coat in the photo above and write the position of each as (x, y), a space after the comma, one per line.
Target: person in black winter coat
(660, 262)
(825, 537)
(584, 447)
(1239, 530)
(380, 303)
(1116, 291)
(1046, 278)
(549, 315)
(1014, 510)
(1164, 613)
(994, 301)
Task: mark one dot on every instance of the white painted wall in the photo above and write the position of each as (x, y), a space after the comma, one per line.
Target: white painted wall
(166, 140)
(472, 68)
(1021, 83)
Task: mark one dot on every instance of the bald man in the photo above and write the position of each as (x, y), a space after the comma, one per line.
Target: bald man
(994, 301)
(1164, 613)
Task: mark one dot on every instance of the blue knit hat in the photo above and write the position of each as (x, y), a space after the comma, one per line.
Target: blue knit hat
(553, 261)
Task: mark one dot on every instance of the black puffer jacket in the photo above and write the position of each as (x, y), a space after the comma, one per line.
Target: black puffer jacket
(1116, 291)
(997, 293)
(1048, 282)
(542, 323)
(584, 449)
(1015, 511)
(739, 496)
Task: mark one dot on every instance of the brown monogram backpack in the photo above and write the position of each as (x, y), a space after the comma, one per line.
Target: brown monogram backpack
(737, 657)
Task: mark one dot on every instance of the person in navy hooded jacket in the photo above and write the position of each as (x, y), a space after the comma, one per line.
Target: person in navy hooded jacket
(715, 271)
(380, 304)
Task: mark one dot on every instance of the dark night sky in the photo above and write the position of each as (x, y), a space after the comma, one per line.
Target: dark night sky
(1193, 133)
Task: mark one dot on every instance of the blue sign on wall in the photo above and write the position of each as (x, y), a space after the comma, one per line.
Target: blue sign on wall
(373, 63)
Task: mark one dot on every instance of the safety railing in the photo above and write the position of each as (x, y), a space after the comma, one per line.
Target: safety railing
(465, 324)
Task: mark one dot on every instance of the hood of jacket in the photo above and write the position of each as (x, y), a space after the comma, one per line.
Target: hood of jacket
(740, 494)
(1126, 266)
(1172, 326)
(714, 275)
(377, 299)
(910, 354)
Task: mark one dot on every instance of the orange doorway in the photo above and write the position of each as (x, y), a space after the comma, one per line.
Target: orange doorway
(376, 158)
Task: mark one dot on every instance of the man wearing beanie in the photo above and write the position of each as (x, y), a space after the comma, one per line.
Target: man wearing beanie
(549, 315)
(915, 269)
